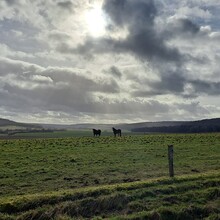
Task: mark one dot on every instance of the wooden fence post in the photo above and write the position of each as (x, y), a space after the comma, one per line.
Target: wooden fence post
(170, 158)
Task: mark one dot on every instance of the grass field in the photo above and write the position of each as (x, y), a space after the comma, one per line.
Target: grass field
(55, 134)
(58, 134)
(64, 178)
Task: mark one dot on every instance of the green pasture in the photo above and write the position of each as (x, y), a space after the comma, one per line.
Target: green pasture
(54, 134)
(59, 134)
(49, 165)
(64, 163)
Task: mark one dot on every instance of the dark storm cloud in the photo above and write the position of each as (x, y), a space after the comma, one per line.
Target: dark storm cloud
(10, 2)
(206, 87)
(188, 26)
(68, 5)
(146, 93)
(142, 40)
(59, 36)
(134, 14)
(146, 44)
(172, 83)
(65, 4)
(181, 27)
(114, 71)
(176, 84)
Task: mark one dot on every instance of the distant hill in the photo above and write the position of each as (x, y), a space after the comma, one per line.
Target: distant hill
(150, 124)
(206, 125)
(12, 125)
(107, 127)
(83, 126)
(6, 122)
(126, 126)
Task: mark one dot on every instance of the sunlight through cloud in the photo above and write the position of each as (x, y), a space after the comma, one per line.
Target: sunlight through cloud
(95, 20)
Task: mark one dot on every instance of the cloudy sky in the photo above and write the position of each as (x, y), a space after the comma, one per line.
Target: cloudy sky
(109, 61)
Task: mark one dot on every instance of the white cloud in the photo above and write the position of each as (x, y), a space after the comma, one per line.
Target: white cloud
(193, 12)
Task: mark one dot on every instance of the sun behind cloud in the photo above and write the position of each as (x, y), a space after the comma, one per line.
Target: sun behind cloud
(95, 20)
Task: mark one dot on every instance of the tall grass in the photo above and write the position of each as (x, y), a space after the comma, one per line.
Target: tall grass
(186, 197)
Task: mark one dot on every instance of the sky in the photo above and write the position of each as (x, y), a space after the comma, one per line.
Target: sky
(109, 61)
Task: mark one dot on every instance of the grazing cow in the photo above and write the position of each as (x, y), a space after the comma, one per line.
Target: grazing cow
(116, 131)
(96, 132)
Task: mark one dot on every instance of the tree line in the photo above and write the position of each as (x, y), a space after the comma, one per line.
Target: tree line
(180, 129)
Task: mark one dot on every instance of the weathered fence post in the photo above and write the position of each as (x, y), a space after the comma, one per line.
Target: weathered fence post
(170, 158)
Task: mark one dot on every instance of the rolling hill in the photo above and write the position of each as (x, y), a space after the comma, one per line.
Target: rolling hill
(6, 124)
(206, 125)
